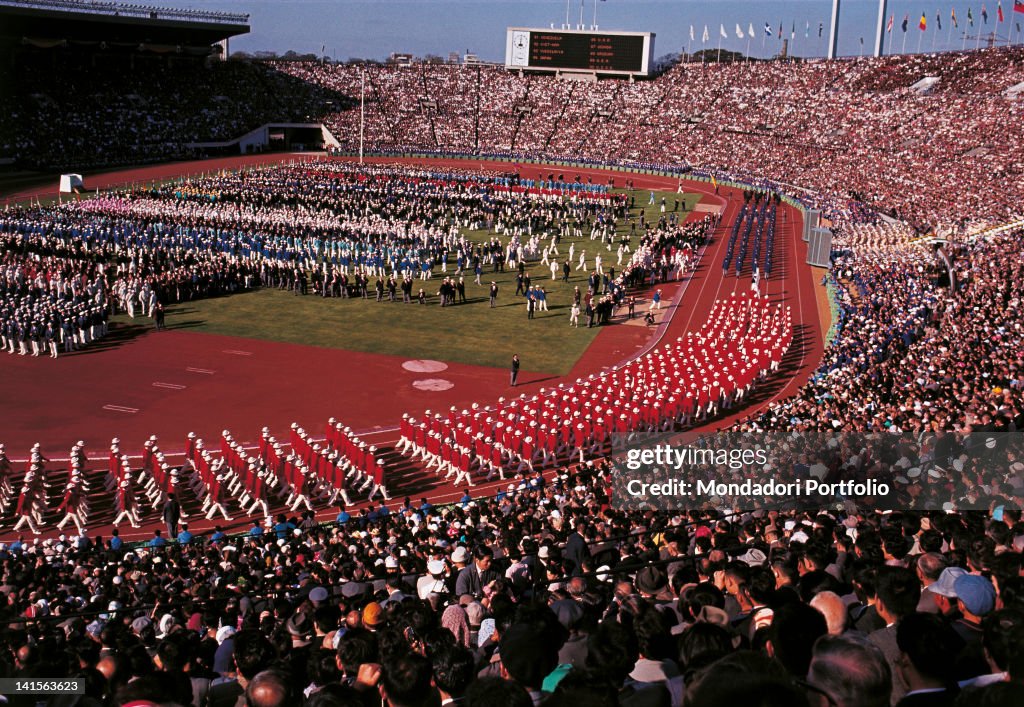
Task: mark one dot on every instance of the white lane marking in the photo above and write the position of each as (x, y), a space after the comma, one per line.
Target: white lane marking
(121, 408)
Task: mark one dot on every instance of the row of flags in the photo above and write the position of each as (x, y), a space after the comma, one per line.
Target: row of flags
(1018, 6)
(922, 24)
(749, 34)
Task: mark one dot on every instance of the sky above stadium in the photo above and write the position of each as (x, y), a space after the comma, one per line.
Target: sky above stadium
(375, 28)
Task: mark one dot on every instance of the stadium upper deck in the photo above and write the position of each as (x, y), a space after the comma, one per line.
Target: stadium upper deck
(80, 20)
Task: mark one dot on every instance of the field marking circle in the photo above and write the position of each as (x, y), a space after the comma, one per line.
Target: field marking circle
(433, 384)
(420, 365)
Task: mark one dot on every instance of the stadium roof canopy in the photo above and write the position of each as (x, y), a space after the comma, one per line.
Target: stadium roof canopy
(93, 20)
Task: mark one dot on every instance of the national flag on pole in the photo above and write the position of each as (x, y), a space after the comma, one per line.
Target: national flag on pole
(906, 19)
(999, 10)
(984, 14)
(953, 17)
(691, 33)
(767, 30)
(807, 29)
(780, 30)
(923, 24)
(1018, 5)
(821, 26)
(739, 31)
(750, 30)
(792, 31)
(888, 27)
(970, 17)
(938, 19)
(704, 38)
(722, 33)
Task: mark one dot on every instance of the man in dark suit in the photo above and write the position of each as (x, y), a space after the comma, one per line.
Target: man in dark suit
(928, 648)
(478, 574)
(576, 550)
(897, 593)
(171, 515)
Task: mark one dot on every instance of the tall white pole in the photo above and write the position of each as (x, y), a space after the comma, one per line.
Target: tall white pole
(581, 15)
(833, 32)
(362, 112)
(880, 29)
(567, 26)
(593, 27)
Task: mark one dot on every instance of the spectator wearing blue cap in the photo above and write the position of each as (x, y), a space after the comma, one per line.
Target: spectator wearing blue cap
(976, 598)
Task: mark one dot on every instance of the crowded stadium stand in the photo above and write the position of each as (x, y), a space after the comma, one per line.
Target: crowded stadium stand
(300, 570)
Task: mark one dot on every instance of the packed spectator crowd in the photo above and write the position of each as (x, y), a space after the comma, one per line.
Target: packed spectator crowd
(543, 594)
(69, 110)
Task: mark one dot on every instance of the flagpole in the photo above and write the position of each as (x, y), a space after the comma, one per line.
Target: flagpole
(949, 37)
(903, 49)
(919, 38)
(719, 59)
(362, 111)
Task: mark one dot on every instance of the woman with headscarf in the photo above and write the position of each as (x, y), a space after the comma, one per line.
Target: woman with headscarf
(455, 620)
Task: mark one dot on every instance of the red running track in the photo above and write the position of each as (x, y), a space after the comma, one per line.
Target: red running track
(138, 382)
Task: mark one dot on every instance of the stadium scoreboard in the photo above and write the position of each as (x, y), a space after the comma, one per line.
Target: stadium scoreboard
(574, 50)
